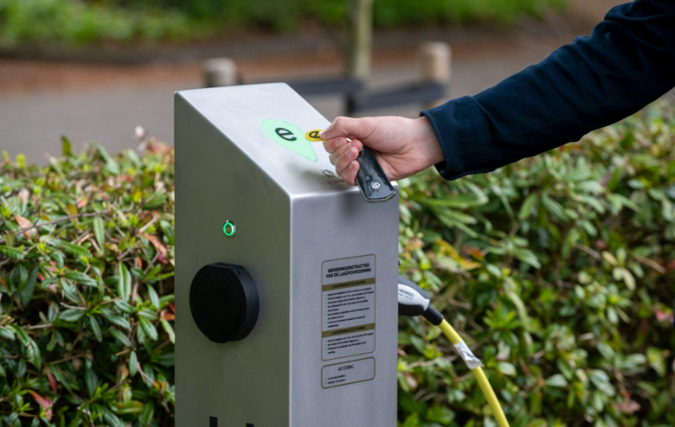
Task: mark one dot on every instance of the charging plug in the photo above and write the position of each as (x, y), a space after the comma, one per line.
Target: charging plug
(415, 301)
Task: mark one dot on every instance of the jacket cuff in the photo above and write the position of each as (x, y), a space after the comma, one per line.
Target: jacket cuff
(463, 134)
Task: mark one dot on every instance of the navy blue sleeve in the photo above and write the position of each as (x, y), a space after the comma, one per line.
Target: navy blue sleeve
(626, 63)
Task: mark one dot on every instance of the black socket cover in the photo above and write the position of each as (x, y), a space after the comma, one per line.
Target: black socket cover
(224, 302)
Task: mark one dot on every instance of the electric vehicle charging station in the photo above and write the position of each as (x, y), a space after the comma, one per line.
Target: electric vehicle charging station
(286, 278)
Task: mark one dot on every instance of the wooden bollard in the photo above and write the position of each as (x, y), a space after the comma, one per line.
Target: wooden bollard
(220, 72)
(436, 63)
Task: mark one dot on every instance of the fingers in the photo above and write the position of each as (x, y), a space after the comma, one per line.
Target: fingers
(357, 144)
(342, 149)
(339, 153)
(345, 127)
(349, 173)
(331, 145)
(344, 159)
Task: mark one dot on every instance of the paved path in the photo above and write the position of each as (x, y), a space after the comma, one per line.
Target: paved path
(32, 122)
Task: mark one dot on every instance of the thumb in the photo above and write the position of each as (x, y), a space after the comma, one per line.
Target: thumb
(345, 126)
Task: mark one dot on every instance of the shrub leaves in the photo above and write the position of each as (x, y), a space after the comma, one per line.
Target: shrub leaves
(76, 305)
(124, 282)
(568, 303)
(557, 271)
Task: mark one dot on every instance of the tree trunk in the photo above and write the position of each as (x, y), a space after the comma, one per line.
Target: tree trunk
(360, 39)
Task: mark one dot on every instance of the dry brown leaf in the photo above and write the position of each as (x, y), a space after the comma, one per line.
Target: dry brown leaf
(25, 223)
(156, 243)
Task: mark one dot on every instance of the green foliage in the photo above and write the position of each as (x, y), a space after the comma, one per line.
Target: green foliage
(79, 21)
(404, 13)
(74, 21)
(86, 281)
(290, 14)
(557, 271)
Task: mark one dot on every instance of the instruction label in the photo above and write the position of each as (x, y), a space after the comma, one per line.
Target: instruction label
(348, 373)
(348, 307)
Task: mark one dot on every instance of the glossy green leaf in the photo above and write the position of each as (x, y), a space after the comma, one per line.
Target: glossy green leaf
(124, 283)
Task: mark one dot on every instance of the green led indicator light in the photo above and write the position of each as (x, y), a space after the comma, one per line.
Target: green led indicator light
(229, 229)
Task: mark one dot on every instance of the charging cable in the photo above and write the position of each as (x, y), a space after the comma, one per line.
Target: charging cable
(414, 301)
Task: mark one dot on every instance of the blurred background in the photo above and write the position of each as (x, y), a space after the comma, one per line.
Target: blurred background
(96, 69)
(561, 267)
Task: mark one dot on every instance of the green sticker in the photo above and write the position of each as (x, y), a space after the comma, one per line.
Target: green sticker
(289, 136)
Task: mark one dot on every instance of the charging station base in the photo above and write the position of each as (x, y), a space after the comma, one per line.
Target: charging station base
(323, 351)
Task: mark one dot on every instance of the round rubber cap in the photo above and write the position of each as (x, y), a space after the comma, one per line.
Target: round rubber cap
(224, 302)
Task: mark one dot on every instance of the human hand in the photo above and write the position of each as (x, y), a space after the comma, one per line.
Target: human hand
(402, 146)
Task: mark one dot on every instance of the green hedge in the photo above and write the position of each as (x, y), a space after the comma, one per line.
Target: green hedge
(76, 22)
(86, 309)
(291, 14)
(79, 21)
(558, 272)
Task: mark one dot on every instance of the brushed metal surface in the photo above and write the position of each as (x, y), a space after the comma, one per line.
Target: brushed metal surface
(330, 227)
(291, 216)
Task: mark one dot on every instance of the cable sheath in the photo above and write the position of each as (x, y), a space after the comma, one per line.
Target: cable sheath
(482, 380)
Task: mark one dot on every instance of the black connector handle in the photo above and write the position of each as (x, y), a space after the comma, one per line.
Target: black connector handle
(371, 179)
(415, 301)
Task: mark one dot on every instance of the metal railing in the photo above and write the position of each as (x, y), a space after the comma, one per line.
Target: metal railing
(431, 88)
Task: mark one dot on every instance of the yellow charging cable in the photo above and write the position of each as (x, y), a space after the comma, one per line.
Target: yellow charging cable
(415, 301)
(483, 382)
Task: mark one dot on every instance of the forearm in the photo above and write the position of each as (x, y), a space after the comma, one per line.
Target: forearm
(595, 81)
